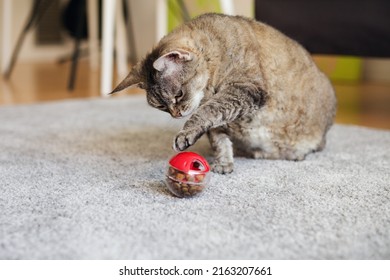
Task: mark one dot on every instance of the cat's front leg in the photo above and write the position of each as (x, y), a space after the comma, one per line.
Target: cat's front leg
(223, 150)
(220, 143)
(191, 132)
(187, 138)
(229, 104)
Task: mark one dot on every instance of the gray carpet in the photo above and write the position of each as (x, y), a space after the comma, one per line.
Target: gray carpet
(83, 179)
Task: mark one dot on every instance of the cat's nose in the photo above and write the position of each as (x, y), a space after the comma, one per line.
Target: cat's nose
(175, 112)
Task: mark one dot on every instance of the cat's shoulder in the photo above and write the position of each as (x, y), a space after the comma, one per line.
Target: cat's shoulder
(225, 22)
(222, 18)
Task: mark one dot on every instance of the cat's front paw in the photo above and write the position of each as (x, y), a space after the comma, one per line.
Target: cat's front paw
(222, 168)
(185, 139)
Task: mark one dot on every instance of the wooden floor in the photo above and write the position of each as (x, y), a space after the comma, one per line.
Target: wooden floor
(362, 103)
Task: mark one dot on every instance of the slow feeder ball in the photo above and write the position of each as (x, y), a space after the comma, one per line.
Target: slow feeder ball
(188, 174)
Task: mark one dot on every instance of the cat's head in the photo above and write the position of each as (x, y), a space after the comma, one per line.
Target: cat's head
(174, 81)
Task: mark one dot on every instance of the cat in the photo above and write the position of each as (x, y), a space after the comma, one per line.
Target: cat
(253, 90)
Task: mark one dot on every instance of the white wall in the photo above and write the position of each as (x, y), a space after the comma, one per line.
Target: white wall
(244, 7)
(144, 20)
(144, 16)
(29, 51)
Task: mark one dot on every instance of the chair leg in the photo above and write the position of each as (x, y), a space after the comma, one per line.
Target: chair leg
(37, 11)
(76, 52)
(93, 40)
(120, 42)
(6, 34)
(130, 34)
(107, 46)
(161, 19)
(227, 7)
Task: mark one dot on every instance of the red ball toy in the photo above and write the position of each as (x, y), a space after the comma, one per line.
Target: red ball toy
(188, 174)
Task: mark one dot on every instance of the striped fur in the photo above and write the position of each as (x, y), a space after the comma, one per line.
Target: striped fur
(249, 87)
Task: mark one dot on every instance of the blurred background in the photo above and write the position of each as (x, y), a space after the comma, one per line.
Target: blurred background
(60, 49)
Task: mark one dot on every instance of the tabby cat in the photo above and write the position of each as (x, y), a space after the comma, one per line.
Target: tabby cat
(248, 86)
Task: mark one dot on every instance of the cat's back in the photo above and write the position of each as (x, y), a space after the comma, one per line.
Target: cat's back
(212, 22)
(237, 39)
(223, 29)
(231, 30)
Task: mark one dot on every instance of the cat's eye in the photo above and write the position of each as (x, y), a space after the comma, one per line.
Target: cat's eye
(161, 107)
(179, 95)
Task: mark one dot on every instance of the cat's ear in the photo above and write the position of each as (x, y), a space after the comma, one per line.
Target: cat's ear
(172, 61)
(133, 79)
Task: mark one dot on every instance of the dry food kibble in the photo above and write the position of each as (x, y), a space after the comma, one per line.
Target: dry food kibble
(187, 174)
(184, 184)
